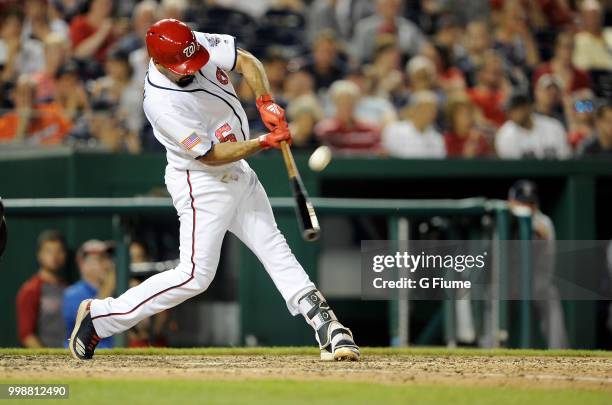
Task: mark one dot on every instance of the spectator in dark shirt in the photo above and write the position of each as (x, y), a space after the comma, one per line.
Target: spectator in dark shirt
(144, 15)
(324, 63)
(98, 279)
(477, 41)
(387, 20)
(275, 63)
(465, 10)
(39, 300)
(303, 108)
(561, 65)
(150, 331)
(338, 16)
(601, 144)
(344, 132)
(514, 39)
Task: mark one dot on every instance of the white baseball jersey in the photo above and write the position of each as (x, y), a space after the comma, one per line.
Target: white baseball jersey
(547, 139)
(403, 140)
(209, 200)
(189, 120)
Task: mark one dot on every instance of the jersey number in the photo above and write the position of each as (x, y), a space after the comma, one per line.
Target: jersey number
(222, 76)
(223, 135)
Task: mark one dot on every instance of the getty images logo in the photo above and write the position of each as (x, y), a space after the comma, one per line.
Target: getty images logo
(190, 50)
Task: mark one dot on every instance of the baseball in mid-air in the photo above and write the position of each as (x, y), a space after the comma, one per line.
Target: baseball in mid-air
(320, 158)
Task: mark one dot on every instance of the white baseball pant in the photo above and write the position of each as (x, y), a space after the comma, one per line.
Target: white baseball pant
(208, 205)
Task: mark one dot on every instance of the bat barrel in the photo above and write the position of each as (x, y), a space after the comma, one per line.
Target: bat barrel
(307, 218)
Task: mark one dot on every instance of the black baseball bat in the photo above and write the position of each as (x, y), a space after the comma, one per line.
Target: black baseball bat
(307, 217)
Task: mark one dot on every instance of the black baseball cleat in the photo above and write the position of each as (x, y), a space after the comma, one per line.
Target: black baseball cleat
(84, 339)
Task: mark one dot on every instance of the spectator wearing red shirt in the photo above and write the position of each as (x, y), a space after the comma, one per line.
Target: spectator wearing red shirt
(39, 300)
(557, 13)
(94, 32)
(561, 66)
(344, 132)
(491, 89)
(463, 138)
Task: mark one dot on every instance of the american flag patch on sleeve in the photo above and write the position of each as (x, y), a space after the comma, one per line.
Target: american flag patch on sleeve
(191, 141)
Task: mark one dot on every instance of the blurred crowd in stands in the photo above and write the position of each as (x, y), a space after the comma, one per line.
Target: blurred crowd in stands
(47, 306)
(408, 79)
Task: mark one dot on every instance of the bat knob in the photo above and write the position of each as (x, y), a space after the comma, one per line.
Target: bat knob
(310, 235)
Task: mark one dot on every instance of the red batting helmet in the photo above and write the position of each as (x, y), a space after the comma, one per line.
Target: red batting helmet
(173, 45)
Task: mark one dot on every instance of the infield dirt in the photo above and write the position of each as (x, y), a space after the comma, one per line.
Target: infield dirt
(511, 371)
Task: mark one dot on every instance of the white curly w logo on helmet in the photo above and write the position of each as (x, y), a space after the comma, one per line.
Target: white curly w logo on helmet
(190, 50)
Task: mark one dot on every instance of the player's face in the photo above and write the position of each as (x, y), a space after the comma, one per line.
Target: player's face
(520, 115)
(52, 255)
(426, 113)
(96, 266)
(463, 119)
(516, 205)
(179, 80)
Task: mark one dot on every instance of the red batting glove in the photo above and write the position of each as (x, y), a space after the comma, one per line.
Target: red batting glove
(274, 138)
(271, 113)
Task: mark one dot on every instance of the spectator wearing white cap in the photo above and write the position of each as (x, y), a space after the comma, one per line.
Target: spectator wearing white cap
(415, 137)
(423, 76)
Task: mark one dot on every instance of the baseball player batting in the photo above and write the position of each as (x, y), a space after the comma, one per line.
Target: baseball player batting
(195, 113)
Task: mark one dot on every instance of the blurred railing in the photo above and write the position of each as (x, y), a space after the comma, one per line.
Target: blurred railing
(398, 213)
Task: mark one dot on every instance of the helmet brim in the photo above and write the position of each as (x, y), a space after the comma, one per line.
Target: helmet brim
(193, 64)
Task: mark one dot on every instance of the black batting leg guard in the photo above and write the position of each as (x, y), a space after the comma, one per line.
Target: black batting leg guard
(335, 341)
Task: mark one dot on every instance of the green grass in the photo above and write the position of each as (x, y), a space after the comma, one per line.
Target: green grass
(279, 351)
(89, 390)
(255, 392)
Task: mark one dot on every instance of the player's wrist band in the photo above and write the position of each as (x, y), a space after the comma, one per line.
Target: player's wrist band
(264, 98)
(263, 142)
